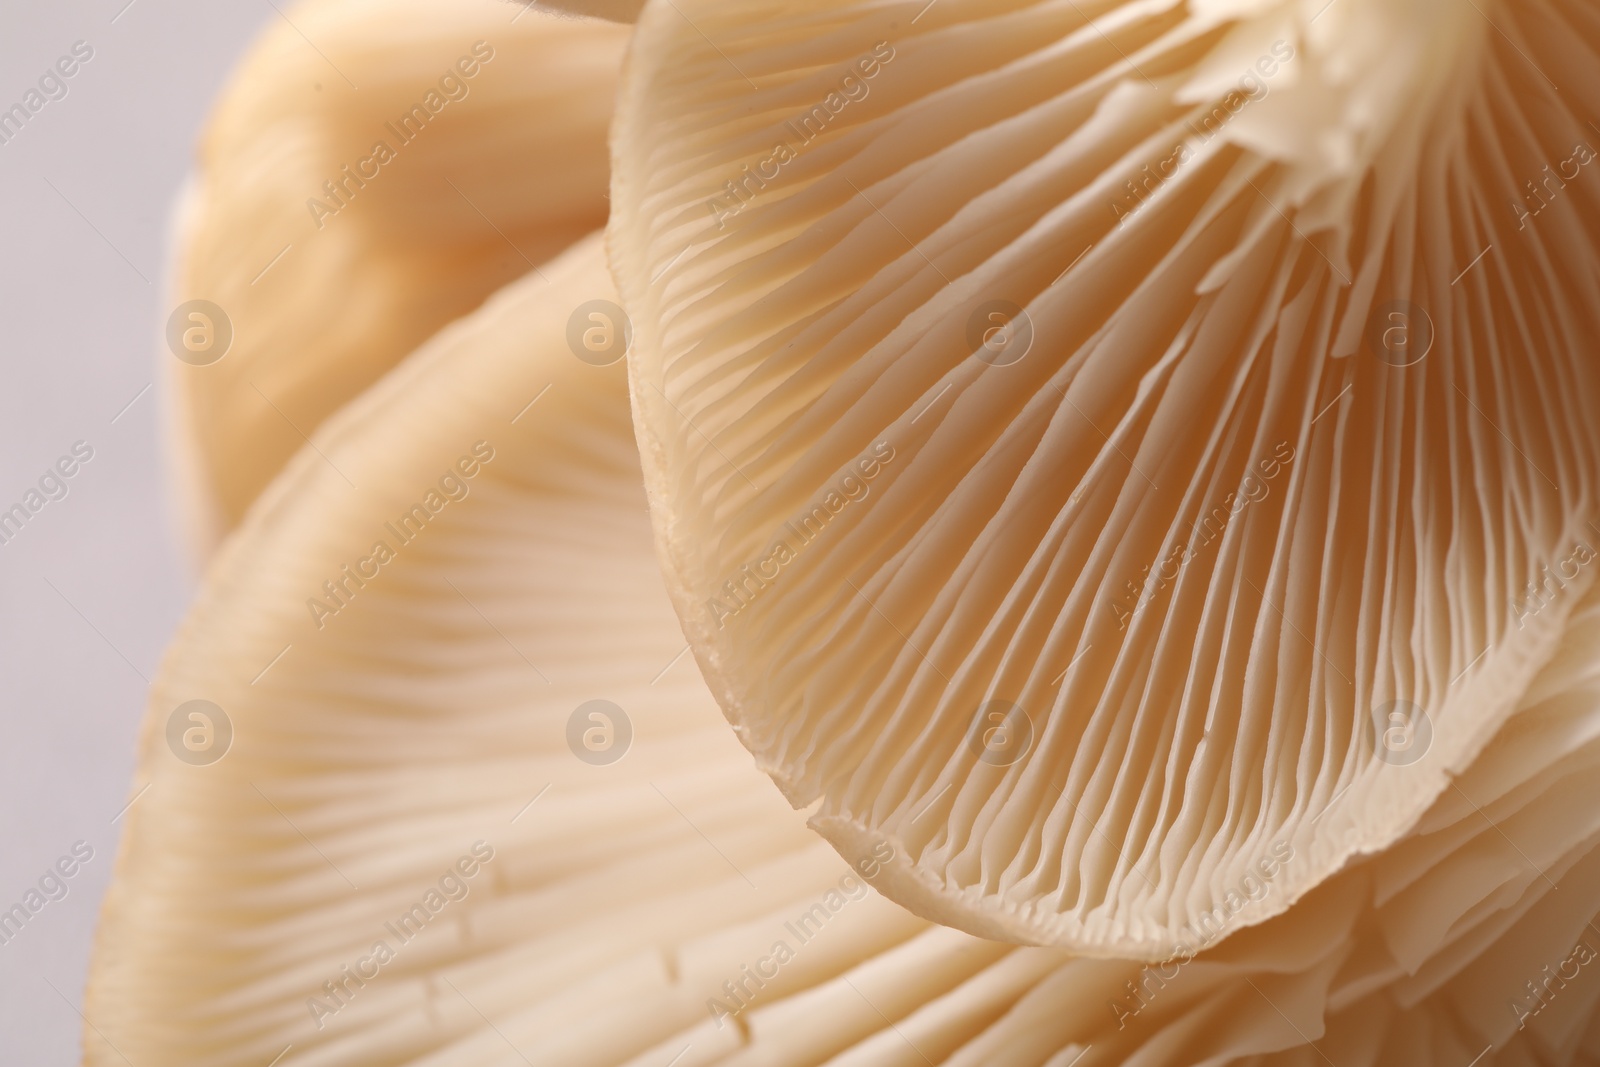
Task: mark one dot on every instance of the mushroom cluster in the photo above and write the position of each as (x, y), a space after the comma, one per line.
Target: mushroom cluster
(1128, 473)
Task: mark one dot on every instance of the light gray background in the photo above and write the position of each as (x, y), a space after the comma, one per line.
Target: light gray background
(94, 585)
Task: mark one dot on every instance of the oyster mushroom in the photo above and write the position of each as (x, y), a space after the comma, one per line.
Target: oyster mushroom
(415, 751)
(1073, 431)
(415, 745)
(426, 712)
(337, 227)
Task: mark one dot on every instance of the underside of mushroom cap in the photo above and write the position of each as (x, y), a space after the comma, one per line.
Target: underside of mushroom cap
(628, 912)
(353, 197)
(1086, 442)
(439, 639)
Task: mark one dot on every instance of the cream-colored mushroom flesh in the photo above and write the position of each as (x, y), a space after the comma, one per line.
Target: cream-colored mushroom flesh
(1125, 470)
(1088, 444)
(397, 836)
(356, 194)
(612, 10)
(405, 641)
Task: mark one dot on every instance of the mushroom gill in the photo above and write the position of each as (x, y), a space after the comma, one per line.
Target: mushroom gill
(404, 772)
(1083, 437)
(396, 652)
(1184, 568)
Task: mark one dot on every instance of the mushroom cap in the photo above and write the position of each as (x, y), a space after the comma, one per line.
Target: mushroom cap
(1074, 434)
(420, 709)
(424, 731)
(403, 746)
(326, 278)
